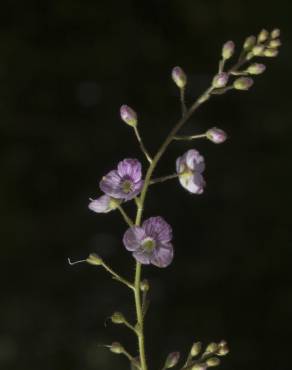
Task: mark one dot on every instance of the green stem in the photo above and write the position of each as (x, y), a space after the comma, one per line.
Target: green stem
(142, 146)
(125, 216)
(117, 276)
(163, 178)
(192, 137)
(183, 101)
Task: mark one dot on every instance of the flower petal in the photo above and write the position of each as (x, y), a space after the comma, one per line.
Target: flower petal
(133, 238)
(158, 229)
(163, 255)
(194, 160)
(110, 184)
(131, 168)
(142, 257)
(193, 183)
(101, 204)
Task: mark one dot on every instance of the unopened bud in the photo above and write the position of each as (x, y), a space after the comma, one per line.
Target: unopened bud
(275, 33)
(179, 77)
(94, 259)
(117, 348)
(249, 42)
(263, 35)
(256, 69)
(222, 348)
(243, 83)
(212, 347)
(275, 43)
(196, 349)
(118, 318)
(228, 50)
(128, 115)
(220, 80)
(216, 135)
(172, 360)
(199, 367)
(144, 286)
(213, 361)
(270, 53)
(258, 50)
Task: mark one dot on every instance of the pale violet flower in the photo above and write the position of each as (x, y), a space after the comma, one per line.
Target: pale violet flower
(189, 168)
(103, 204)
(151, 242)
(125, 182)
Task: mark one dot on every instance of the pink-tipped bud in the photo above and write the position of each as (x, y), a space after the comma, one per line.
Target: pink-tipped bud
(128, 115)
(256, 68)
(228, 50)
(216, 135)
(243, 83)
(220, 80)
(179, 77)
(172, 360)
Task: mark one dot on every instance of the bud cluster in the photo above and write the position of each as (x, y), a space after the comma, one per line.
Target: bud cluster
(209, 358)
(266, 44)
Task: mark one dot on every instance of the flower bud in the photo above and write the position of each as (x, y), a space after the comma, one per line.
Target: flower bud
(179, 77)
(216, 135)
(172, 360)
(128, 115)
(117, 348)
(144, 286)
(275, 43)
(270, 53)
(256, 69)
(243, 83)
(249, 42)
(213, 361)
(94, 259)
(275, 33)
(212, 347)
(199, 367)
(118, 318)
(222, 348)
(220, 80)
(263, 35)
(228, 50)
(196, 349)
(258, 50)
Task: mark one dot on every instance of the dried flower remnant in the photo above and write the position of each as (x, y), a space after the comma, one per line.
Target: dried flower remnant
(151, 242)
(125, 182)
(189, 168)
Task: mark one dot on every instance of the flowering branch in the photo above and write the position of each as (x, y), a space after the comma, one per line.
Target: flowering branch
(150, 240)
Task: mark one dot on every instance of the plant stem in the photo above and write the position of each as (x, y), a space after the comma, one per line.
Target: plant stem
(183, 101)
(125, 216)
(117, 276)
(163, 178)
(192, 137)
(142, 146)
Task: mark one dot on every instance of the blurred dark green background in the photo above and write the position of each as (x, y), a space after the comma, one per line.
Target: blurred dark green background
(66, 66)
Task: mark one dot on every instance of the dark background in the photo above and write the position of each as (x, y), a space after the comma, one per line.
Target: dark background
(66, 66)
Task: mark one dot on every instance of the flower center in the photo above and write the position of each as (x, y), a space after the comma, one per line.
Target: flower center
(127, 186)
(148, 244)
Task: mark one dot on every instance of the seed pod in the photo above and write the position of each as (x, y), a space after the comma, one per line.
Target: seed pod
(117, 348)
(144, 286)
(118, 318)
(94, 259)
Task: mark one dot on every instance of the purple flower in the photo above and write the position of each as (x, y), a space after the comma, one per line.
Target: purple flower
(125, 182)
(103, 204)
(189, 168)
(150, 243)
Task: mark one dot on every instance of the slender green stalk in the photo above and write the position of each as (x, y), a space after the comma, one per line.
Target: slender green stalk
(192, 137)
(142, 146)
(163, 178)
(117, 276)
(183, 101)
(125, 216)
